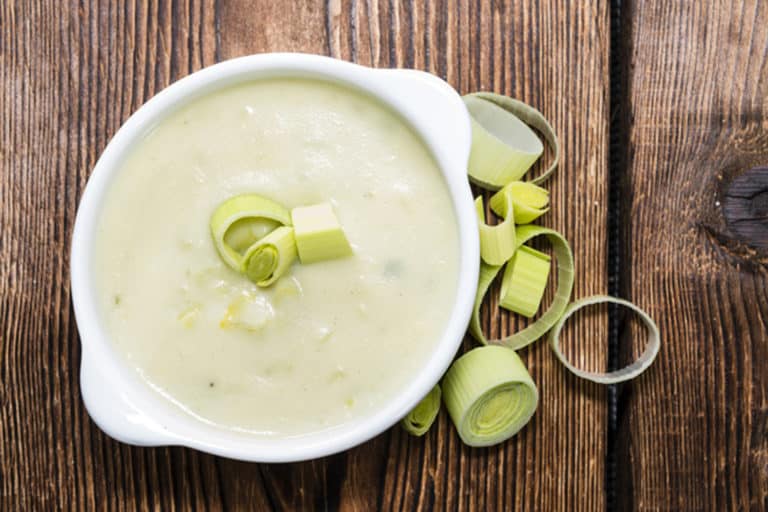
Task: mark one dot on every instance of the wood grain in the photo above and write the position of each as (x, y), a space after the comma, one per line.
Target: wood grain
(695, 429)
(538, 468)
(71, 73)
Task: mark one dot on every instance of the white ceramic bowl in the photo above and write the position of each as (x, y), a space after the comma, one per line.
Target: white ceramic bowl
(128, 409)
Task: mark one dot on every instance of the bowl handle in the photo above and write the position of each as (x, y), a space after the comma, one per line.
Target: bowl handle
(437, 109)
(114, 412)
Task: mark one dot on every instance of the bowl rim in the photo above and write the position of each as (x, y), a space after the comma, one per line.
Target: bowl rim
(124, 406)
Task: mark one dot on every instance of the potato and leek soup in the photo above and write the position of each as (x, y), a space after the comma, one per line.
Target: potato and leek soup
(329, 341)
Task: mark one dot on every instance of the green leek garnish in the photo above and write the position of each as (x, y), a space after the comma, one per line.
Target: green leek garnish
(497, 243)
(628, 372)
(538, 328)
(418, 421)
(489, 395)
(529, 201)
(318, 233)
(271, 257)
(503, 147)
(241, 221)
(524, 281)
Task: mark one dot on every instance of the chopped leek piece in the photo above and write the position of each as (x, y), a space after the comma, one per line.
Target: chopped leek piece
(628, 372)
(418, 421)
(538, 328)
(318, 233)
(524, 281)
(529, 201)
(269, 258)
(489, 395)
(503, 147)
(229, 225)
(497, 243)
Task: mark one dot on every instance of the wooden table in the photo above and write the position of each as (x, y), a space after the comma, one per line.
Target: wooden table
(661, 107)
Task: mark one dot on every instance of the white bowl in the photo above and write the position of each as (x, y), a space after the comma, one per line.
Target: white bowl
(126, 408)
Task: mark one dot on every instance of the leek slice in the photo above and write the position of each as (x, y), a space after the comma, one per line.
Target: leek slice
(319, 235)
(418, 421)
(269, 258)
(538, 328)
(524, 281)
(244, 232)
(529, 201)
(503, 145)
(489, 395)
(628, 372)
(497, 243)
(240, 220)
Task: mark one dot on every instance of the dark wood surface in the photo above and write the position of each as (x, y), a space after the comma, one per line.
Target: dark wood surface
(691, 434)
(695, 431)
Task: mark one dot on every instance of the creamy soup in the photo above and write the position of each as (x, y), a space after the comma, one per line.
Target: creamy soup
(329, 342)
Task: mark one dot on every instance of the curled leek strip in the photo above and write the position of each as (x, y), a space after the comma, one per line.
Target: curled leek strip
(503, 146)
(489, 395)
(528, 200)
(629, 372)
(271, 257)
(241, 221)
(497, 243)
(538, 328)
(418, 421)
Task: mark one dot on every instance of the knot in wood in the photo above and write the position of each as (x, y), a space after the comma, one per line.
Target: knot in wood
(745, 207)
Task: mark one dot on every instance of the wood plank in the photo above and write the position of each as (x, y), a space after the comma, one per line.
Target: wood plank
(522, 49)
(695, 432)
(71, 74)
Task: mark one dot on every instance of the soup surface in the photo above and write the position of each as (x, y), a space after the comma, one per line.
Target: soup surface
(327, 343)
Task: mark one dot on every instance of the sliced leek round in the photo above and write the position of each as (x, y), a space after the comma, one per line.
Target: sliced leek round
(489, 395)
(240, 221)
(269, 258)
(420, 419)
(538, 328)
(497, 243)
(628, 372)
(503, 146)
